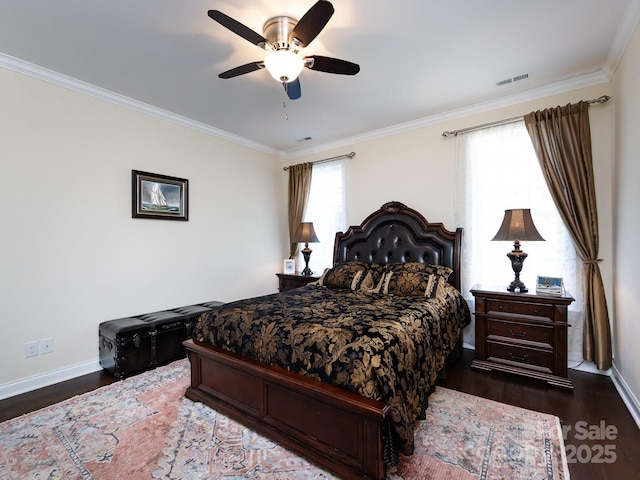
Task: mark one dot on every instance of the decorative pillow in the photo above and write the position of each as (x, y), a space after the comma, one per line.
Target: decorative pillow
(409, 284)
(367, 282)
(372, 282)
(442, 270)
(345, 276)
(435, 286)
(375, 273)
(416, 267)
(413, 279)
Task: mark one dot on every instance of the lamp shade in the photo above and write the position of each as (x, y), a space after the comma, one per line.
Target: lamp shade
(517, 225)
(305, 233)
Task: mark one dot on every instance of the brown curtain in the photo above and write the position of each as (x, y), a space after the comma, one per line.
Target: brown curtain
(561, 137)
(299, 187)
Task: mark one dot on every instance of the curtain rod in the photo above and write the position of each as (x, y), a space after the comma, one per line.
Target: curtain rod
(453, 133)
(346, 155)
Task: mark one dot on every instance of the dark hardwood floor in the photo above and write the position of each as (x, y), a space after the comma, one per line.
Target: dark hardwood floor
(593, 409)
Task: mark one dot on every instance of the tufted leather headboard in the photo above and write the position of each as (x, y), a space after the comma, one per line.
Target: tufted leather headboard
(396, 233)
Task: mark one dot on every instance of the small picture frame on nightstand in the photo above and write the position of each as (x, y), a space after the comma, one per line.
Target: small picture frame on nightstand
(550, 286)
(289, 266)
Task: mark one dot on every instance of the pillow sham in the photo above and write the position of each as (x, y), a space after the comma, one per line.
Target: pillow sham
(435, 286)
(413, 279)
(412, 284)
(442, 270)
(344, 276)
(416, 267)
(372, 282)
(373, 277)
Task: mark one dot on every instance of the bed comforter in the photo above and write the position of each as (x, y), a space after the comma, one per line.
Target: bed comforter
(385, 347)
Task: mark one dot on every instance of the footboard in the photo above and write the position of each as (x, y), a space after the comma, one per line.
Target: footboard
(332, 427)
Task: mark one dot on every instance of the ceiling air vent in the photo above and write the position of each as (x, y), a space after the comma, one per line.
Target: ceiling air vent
(514, 79)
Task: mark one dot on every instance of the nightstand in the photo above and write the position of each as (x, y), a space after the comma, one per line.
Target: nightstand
(289, 281)
(522, 333)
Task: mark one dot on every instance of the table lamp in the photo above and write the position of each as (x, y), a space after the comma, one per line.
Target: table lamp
(306, 234)
(517, 225)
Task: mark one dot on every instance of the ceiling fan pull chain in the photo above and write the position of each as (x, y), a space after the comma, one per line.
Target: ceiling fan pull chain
(286, 115)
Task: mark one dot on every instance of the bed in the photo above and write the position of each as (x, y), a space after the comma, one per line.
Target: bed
(340, 370)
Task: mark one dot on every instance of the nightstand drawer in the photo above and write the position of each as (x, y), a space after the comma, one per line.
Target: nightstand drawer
(289, 281)
(520, 332)
(519, 308)
(523, 357)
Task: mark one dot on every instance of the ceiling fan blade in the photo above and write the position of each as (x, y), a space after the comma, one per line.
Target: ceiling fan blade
(312, 22)
(293, 89)
(238, 28)
(242, 69)
(331, 65)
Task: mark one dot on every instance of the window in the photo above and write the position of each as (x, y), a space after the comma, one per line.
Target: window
(326, 208)
(498, 170)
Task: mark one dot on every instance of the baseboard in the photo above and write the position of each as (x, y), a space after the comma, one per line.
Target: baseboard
(576, 362)
(28, 384)
(626, 394)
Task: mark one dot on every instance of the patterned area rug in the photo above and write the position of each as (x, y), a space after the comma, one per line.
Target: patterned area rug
(144, 428)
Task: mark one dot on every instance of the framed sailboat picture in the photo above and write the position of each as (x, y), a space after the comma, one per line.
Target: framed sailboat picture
(159, 196)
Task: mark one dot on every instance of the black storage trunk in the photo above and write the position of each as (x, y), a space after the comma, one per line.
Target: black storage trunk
(168, 330)
(133, 344)
(213, 304)
(194, 311)
(125, 346)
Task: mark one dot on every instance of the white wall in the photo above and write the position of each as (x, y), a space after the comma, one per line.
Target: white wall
(626, 83)
(71, 256)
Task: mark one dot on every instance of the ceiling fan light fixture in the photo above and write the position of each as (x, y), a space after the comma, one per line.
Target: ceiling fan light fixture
(284, 65)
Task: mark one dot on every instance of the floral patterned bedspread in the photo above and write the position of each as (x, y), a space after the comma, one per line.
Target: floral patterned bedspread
(385, 347)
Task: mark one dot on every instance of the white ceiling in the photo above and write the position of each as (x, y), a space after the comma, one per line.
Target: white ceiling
(418, 58)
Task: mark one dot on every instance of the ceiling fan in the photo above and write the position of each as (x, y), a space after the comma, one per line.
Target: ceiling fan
(283, 38)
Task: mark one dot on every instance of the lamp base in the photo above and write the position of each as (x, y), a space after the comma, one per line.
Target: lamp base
(306, 253)
(517, 258)
(517, 286)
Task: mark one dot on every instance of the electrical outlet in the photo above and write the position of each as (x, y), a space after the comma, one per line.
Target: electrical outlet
(30, 349)
(46, 345)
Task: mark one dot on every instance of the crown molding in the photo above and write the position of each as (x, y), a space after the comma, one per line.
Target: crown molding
(506, 101)
(623, 36)
(61, 80)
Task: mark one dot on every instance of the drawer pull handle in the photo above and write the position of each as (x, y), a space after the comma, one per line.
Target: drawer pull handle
(535, 310)
(519, 335)
(500, 307)
(519, 358)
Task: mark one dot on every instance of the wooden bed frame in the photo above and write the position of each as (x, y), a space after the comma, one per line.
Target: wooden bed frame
(332, 427)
